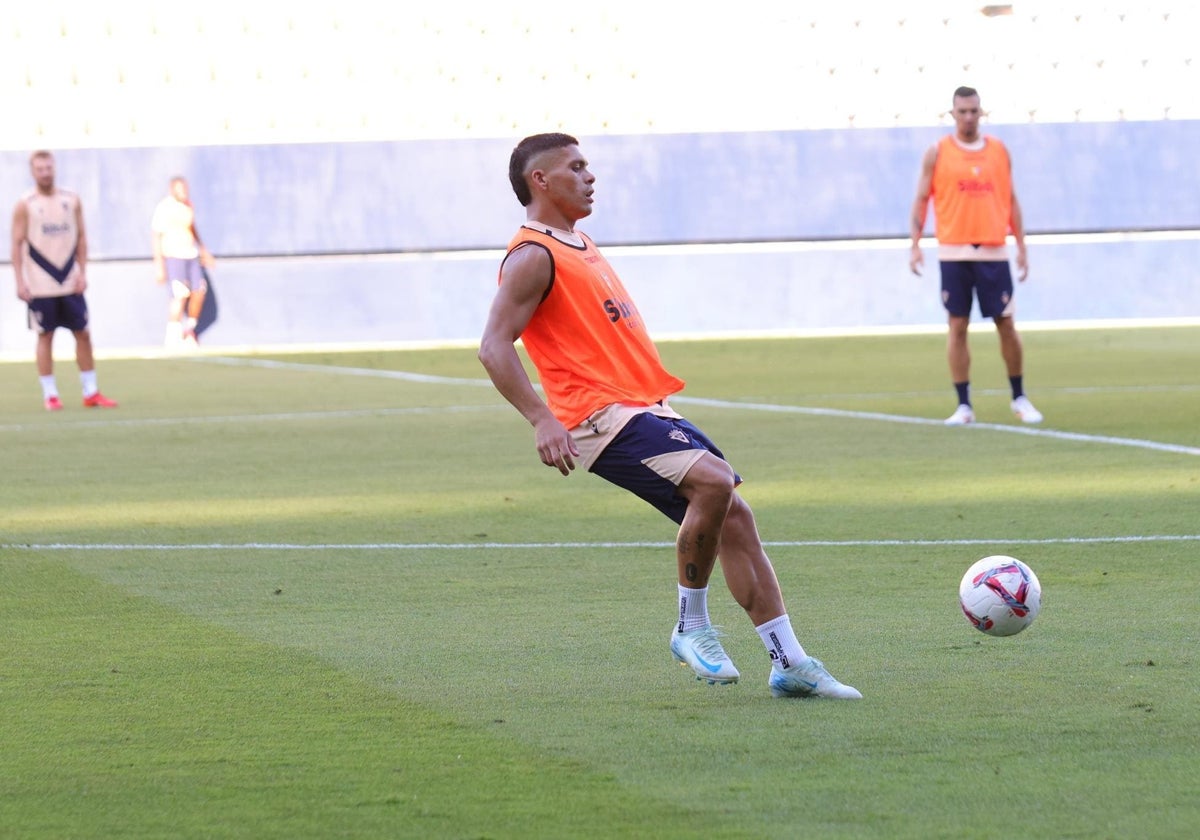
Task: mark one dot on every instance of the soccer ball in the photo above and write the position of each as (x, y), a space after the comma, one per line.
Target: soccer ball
(1000, 595)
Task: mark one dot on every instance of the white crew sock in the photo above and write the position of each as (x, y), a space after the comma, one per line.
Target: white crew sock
(780, 639)
(693, 609)
(49, 386)
(87, 378)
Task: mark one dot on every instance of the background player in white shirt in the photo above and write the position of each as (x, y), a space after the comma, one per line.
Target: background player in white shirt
(180, 259)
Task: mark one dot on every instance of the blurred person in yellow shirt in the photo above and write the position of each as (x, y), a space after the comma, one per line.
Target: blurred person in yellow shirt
(180, 260)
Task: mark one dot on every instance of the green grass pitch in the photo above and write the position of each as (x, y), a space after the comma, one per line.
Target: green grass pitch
(315, 596)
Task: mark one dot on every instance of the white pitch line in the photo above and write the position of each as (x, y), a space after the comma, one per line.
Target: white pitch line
(111, 422)
(786, 409)
(1002, 541)
(408, 376)
(996, 392)
(405, 376)
(926, 421)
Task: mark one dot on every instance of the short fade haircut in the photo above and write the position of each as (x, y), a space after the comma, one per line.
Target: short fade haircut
(40, 153)
(525, 151)
(964, 92)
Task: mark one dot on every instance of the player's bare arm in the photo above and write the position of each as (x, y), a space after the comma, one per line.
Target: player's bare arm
(160, 266)
(524, 279)
(81, 249)
(20, 226)
(1017, 223)
(206, 258)
(920, 209)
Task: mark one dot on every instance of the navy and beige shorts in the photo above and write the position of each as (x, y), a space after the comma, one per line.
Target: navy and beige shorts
(650, 456)
(988, 280)
(47, 314)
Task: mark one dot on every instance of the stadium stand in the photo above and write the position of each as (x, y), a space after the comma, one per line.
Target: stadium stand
(138, 73)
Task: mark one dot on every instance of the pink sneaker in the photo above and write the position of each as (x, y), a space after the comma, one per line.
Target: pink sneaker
(53, 404)
(98, 400)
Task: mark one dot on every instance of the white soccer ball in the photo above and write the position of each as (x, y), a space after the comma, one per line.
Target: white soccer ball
(1000, 595)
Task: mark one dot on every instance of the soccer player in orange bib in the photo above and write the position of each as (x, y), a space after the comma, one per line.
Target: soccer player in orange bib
(969, 178)
(606, 410)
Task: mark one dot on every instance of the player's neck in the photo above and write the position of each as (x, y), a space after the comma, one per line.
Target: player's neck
(567, 235)
(974, 144)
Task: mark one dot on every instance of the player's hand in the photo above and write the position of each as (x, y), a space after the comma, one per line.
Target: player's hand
(160, 277)
(555, 446)
(915, 260)
(81, 283)
(24, 293)
(206, 259)
(1022, 265)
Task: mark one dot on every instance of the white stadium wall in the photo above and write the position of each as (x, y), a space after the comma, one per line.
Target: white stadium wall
(348, 165)
(682, 291)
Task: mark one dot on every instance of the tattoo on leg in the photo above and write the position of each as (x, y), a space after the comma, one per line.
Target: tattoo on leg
(685, 542)
(691, 572)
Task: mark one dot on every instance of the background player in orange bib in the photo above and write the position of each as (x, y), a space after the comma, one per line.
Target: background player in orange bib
(968, 176)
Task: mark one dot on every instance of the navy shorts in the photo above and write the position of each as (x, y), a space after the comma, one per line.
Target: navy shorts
(49, 313)
(644, 437)
(988, 280)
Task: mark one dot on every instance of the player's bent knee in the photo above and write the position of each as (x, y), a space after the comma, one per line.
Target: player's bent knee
(711, 470)
(710, 477)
